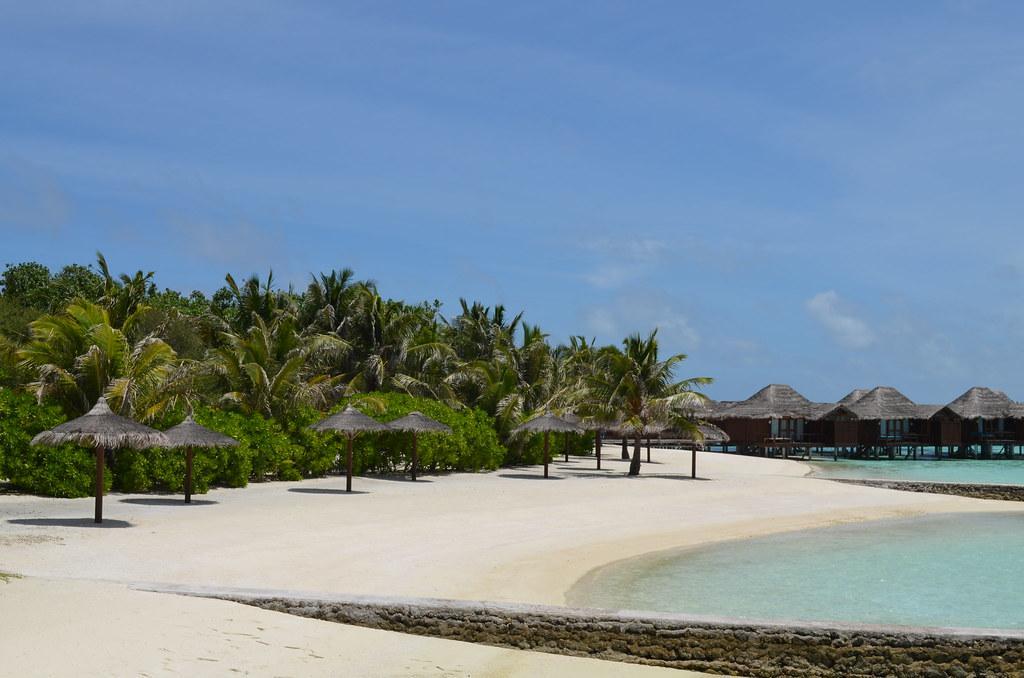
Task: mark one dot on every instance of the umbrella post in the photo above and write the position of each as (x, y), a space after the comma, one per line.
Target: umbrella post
(546, 434)
(597, 448)
(415, 455)
(348, 465)
(188, 476)
(99, 485)
(693, 463)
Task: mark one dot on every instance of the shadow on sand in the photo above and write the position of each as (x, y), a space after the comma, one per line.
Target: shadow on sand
(323, 490)
(529, 476)
(167, 501)
(401, 479)
(70, 522)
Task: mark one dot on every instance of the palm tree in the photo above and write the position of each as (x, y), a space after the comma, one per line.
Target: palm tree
(125, 295)
(512, 381)
(272, 367)
(631, 384)
(328, 298)
(390, 341)
(78, 355)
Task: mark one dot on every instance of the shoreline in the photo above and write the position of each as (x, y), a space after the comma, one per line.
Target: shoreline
(507, 536)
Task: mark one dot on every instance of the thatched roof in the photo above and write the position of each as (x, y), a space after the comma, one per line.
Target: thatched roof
(853, 396)
(819, 410)
(926, 411)
(775, 401)
(547, 422)
(711, 433)
(190, 434)
(100, 427)
(349, 420)
(884, 402)
(983, 403)
(418, 423)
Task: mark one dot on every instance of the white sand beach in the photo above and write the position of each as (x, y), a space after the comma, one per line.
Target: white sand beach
(508, 535)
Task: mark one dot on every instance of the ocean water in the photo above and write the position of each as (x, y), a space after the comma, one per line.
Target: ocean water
(950, 570)
(1005, 471)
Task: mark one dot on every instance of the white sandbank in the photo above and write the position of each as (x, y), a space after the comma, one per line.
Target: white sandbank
(508, 535)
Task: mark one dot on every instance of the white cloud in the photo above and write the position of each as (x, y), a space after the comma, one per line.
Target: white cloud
(846, 329)
(621, 260)
(641, 310)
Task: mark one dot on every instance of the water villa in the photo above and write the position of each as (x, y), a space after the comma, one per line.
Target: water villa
(882, 421)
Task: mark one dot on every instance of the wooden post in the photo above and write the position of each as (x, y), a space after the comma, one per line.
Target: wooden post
(348, 463)
(415, 455)
(693, 463)
(188, 476)
(597, 447)
(546, 454)
(99, 485)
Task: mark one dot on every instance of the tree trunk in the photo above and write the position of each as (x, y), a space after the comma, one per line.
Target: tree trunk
(597, 447)
(634, 465)
(566, 434)
(625, 450)
(546, 453)
(648, 449)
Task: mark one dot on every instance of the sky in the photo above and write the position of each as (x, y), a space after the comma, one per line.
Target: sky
(827, 195)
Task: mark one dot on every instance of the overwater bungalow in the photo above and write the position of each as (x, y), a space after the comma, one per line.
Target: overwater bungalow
(981, 417)
(775, 418)
(868, 422)
(879, 419)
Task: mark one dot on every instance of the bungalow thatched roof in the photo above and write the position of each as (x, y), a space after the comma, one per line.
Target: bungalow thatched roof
(775, 401)
(853, 396)
(884, 402)
(980, 402)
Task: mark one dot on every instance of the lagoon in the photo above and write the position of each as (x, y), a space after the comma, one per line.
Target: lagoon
(948, 570)
(984, 471)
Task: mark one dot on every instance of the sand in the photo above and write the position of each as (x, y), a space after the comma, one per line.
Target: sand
(508, 535)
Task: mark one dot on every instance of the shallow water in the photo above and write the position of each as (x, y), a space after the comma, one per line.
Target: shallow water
(1005, 471)
(957, 570)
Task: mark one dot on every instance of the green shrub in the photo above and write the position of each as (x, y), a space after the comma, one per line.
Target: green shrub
(65, 471)
(472, 446)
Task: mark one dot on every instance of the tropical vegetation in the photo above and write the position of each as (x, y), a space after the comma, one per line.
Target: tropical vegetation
(261, 362)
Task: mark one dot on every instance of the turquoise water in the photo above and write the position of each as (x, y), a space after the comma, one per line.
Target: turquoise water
(1006, 471)
(954, 570)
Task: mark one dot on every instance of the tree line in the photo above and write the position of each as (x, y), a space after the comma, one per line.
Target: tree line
(261, 350)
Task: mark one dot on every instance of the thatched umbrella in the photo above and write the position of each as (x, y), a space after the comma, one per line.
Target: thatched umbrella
(709, 433)
(351, 422)
(102, 430)
(417, 423)
(546, 423)
(189, 435)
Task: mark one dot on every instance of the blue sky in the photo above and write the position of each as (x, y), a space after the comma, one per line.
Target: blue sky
(823, 194)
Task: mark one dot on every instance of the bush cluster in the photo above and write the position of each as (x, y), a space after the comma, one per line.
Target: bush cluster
(267, 449)
(65, 471)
